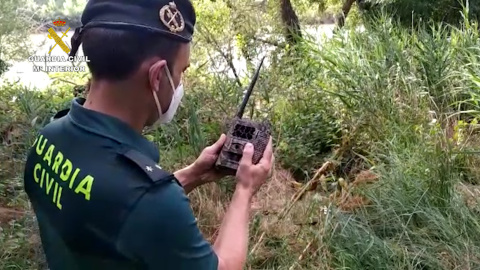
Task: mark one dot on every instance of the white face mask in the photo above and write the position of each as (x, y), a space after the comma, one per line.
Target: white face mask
(172, 109)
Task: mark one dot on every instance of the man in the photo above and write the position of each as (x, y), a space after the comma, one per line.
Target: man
(99, 195)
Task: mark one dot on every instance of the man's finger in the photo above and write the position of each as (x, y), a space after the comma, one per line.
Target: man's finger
(217, 146)
(268, 153)
(247, 154)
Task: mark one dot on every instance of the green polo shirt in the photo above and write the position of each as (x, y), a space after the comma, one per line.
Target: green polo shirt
(102, 202)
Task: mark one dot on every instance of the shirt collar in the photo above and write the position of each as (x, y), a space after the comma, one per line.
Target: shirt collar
(111, 127)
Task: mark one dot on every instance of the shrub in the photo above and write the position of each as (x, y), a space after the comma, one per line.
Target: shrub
(410, 12)
(306, 131)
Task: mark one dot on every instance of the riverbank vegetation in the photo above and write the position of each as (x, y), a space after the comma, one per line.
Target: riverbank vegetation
(375, 128)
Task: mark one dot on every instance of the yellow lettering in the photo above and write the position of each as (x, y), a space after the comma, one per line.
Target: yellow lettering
(59, 205)
(40, 150)
(43, 175)
(85, 187)
(37, 167)
(48, 155)
(58, 161)
(77, 170)
(49, 184)
(66, 170)
(55, 192)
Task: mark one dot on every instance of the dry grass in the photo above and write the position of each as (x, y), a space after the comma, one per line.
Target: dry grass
(275, 215)
(210, 202)
(470, 194)
(9, 214)
(287, 219)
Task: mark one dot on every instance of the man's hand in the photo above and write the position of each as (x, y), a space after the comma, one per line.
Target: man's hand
(251, 177)
(231, 244)
(202, 171)
(204, 165)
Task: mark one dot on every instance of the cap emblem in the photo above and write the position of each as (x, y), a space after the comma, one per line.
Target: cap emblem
(172, 18)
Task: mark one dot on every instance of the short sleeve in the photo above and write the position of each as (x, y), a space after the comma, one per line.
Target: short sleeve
(161, 232)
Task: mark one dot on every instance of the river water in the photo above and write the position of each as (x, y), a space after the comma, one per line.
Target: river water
(24, 71)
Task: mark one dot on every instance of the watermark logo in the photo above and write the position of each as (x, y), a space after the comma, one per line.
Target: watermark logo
(55, 60)
(58, 40)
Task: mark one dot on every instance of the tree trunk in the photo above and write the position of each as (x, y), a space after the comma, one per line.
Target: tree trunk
(290, 20)
(342, 16)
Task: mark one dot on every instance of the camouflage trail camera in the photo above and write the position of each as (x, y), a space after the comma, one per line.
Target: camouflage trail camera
(242, 131)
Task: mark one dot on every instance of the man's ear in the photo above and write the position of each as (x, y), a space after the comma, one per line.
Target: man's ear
(155, 74)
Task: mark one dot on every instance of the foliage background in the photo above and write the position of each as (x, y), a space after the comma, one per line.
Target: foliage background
(375, 130)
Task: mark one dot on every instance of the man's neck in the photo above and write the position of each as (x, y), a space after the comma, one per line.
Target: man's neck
(116, 101)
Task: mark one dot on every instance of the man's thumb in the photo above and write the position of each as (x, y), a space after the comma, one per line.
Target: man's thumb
(247, 154)
(217, 146)
(219, 143)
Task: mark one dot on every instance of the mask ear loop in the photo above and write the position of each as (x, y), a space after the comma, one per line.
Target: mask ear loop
(159, 108)
(169, 75)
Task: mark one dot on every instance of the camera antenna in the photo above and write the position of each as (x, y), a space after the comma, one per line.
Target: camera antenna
(241, 110)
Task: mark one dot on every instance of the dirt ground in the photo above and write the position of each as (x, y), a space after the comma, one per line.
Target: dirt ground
(9, 214)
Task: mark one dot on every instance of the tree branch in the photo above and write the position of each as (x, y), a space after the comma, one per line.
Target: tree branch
(211, 39)
(270, 42)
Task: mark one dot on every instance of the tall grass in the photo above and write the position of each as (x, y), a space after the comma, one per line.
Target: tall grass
(400, 90)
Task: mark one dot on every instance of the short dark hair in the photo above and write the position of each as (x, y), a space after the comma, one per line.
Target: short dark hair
(116, 54)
